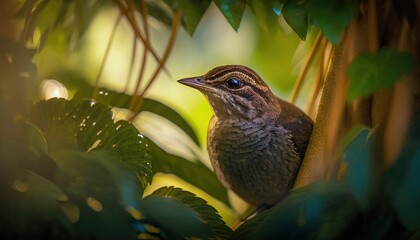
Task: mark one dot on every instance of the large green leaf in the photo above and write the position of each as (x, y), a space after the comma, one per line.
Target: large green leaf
(232, 10)
(402, 182)
(296, 16)
(191, 12)
(331, 16)
(199, 205)
(64, 201)
(267, 13)
(122, 100)
(31, 199)
(88, 126)
(370, 72)
(98, 189)
(188, 171)
(60, 19)
(322, 209)
(178, 220)
(358, 154)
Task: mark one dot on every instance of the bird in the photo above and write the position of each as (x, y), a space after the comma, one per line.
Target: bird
(255, 141)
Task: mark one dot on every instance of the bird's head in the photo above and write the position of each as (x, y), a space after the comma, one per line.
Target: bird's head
(235, 91)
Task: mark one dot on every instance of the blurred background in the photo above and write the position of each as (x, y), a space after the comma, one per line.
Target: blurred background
(276, 55)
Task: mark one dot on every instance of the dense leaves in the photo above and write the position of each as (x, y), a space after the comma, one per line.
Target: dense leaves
(297, 18)
(331, 16)
(358, 153)
(402, 180)
(123, 100)
(191, 12)
(87, 126)
(370, 72)
(232, 10)
(61, 18)
(206, 212)
(307, 213)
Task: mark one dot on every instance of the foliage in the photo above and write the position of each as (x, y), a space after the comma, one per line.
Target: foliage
(370, 72)
(69, 170)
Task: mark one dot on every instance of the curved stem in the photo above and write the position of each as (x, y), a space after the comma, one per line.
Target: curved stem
(176, 20)
(305, 69)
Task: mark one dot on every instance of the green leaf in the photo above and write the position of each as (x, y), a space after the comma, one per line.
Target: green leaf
(401, 179)
(122, 100)
(296, 16)
(31, 208)
(308, 213)
(331, 16)
(232, 10)
(358, 156)
(199, 205)
(157, 10)
(88, 126)
(188, 171)
(177, 219)
(191, 12)
(99, 189)
(370, 72)
(267, 13)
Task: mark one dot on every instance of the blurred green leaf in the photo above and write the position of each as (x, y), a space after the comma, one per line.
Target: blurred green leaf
(88, 126)
(316, 211)
(17, 78)
(358, 154)
(402, 182)
(267, 13)
(232, 10)
(331, 16)
(177, 219)
(122, 100)
(296, 16)
(32, 199)
(199, 205)
(99, 190)
(188, 171)
(370, 72)
(157, 10)
(191, 12)
(70, 18)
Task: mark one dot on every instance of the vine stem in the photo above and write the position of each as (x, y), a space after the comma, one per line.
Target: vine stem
(133, 22)
(176, 20)
(144, 56)
(302, 75)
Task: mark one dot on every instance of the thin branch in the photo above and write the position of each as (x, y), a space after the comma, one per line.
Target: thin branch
(107, 50)
(144, 58)
(372, 26)
(176, 20)
(324, 58)
(298, 85)
(132, 20)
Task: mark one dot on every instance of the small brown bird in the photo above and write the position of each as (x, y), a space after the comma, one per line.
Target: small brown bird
(256, 141)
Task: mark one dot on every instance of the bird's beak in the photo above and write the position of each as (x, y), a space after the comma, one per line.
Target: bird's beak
(195, 82)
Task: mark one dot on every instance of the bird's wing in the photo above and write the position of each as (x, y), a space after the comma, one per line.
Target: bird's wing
(297, 123)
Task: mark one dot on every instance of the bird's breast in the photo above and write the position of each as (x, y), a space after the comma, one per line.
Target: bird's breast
(255, 159)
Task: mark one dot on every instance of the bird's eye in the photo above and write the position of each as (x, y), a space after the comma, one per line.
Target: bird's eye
(234, 83)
